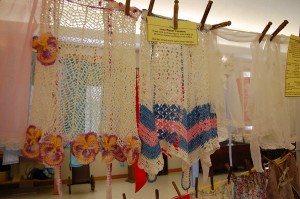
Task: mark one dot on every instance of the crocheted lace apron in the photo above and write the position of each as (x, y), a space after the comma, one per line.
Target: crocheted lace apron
(176, 115)
(86, 98)
(90, 90)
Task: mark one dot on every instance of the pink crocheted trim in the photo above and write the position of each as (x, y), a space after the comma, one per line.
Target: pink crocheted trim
(196, 130)
(145, 134)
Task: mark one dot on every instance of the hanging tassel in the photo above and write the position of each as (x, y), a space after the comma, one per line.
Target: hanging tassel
(57, 182)
(108, 181)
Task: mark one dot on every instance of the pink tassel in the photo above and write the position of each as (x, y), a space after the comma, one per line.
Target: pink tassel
(108, 182)
(57, 181)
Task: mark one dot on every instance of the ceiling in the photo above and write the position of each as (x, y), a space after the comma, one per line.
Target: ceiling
(246, 15)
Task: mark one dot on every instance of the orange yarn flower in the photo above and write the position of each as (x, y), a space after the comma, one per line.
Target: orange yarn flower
(46, 47)
(132, 149)
(52, 150)
(110, 149)
(85, 147)
(31, 148)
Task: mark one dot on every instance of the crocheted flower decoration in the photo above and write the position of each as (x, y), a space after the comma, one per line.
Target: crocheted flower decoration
(111, 149)
(52, 150)
(31, 148)
(119, 155)
(132, 149)
(46, 47)
(85, 147)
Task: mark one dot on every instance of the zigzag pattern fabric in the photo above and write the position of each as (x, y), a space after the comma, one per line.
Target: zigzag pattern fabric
(177, 114)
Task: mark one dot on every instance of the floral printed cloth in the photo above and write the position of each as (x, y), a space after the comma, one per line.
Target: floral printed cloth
(222, 190)
(252, 186)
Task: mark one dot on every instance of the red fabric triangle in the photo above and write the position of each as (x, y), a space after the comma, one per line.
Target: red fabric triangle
(140, 177)
(140, 174)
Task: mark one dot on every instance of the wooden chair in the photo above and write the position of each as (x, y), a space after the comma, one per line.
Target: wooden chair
(81, 175)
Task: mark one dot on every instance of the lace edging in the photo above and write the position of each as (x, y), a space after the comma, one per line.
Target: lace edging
(11, 144)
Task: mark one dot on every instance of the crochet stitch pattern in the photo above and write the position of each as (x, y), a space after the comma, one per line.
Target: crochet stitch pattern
(177, 110)
(91, 86)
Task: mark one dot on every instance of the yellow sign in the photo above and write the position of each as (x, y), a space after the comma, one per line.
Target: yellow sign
(161, 30)
(292, 74)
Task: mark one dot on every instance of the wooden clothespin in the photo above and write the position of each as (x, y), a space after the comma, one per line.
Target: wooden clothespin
(264, 31)
(150, 8)
(177, 190)
(205, 14)
(280, 27)
(211, 174)
(175, 16)
(220, 25)
(127, 7)
(156, 194)
(124, 196)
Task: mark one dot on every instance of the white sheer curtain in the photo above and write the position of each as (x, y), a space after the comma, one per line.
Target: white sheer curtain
(17, 24)
(274, 117)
